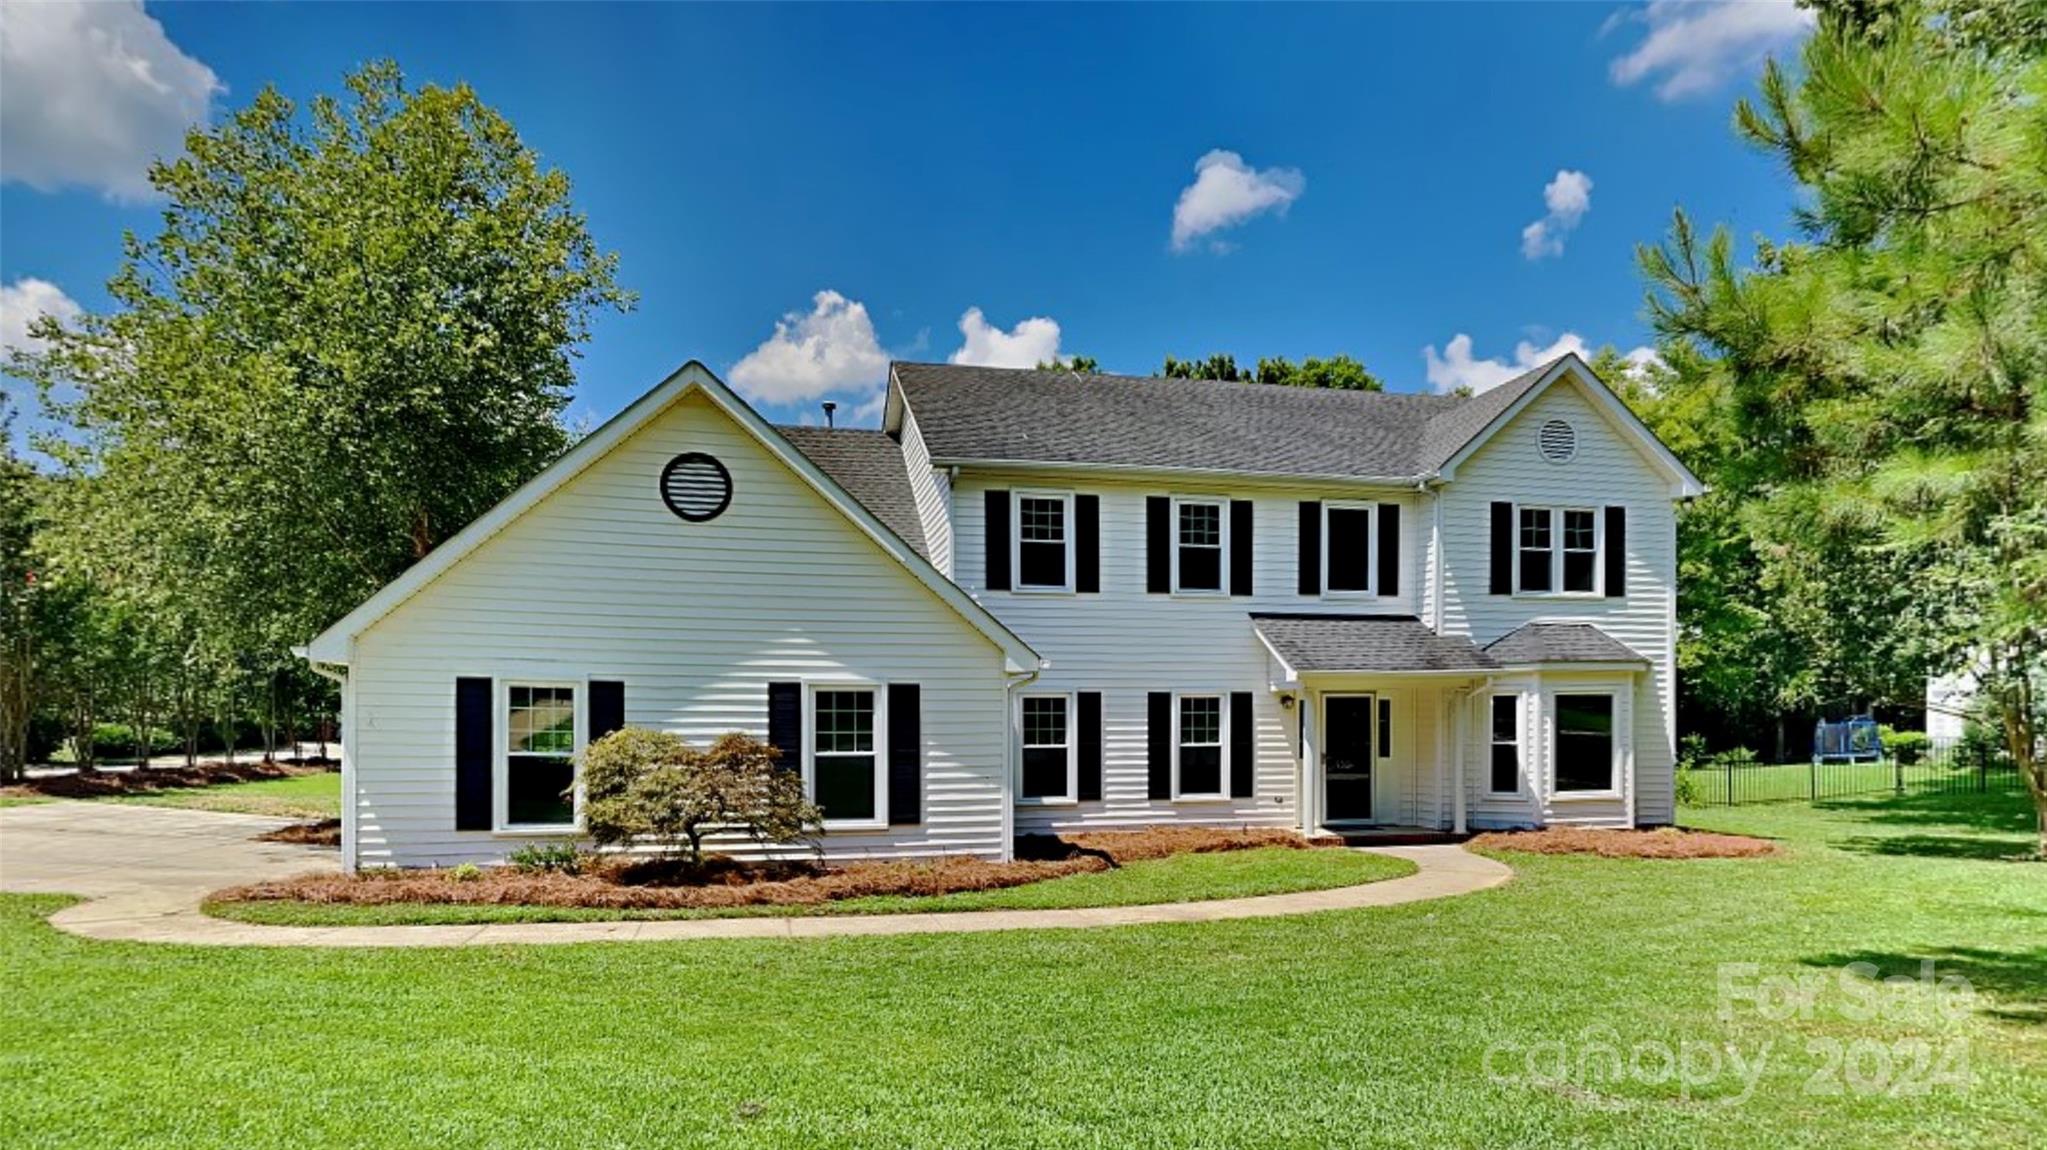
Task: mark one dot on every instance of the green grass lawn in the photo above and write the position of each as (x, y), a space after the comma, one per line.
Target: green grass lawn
(1181, 878)
(316, 796)
(1370, 1027)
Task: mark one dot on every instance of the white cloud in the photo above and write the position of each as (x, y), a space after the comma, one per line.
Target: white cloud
(21, 302)
(832, 348)
(1567, 198)
(1456, 367)
(1028, 344)
(90, 93)
(1693, 46)
(1226, 192)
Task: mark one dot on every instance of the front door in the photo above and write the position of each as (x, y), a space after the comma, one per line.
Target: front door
(1346, 758)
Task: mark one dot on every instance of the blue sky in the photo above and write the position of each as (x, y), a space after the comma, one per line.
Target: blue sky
(1369, 174)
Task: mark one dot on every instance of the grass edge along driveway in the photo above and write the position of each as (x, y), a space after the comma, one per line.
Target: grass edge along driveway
(1405, 1026)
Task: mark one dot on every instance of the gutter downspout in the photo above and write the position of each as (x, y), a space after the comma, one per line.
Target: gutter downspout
(1012, 755)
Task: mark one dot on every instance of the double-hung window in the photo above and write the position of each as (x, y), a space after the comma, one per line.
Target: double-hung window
(845, 774)
(1044, 552)
(1049, 767)
(1584, 750)
(1347, 548)
(1198, 747)
(1198, 545)
(1505, 778)
(1557, 550)
(540, 756)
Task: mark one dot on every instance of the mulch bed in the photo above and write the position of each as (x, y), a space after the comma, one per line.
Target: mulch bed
(146, 780)
(320, 833)
(722, 882)
(1663, 843)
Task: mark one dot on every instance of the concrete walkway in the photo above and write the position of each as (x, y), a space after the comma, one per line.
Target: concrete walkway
(145, 870)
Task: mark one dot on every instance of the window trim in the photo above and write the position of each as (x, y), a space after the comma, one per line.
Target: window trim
(1222, 734)
(880, 693)
(1616, 750)
(501, 755)
(1556, 552)
(1371, 510)
(1072, 795)
(1222, 589)
(1520, 744)
(1016, 541)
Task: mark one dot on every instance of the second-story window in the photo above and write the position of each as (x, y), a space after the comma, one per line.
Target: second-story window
(1044, 559)
(1557, 551)
(1198, 555)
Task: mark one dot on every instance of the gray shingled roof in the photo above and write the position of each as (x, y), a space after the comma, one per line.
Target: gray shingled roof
(870, 466)
(1002, 414)
(1560, 643)
(1367, 643)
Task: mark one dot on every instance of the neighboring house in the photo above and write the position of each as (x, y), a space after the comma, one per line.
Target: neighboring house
(1041, 601)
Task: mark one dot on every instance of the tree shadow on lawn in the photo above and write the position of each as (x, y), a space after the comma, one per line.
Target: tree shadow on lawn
(1991, 827)
(2013, 982)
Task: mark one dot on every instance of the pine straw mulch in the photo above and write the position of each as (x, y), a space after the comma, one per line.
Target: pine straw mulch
(149, 780)
(1662, 843)
(724, 882)
(318, 833)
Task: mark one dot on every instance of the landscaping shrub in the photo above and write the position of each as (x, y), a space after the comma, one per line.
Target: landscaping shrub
(650, 788)
(559, 858)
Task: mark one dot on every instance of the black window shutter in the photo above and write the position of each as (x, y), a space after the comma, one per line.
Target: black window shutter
(995, 525)
(607, 707)
(1616, 552)
(905, 754)
(1158, 745)
(1090, 720)
(1087, 541)
(785, 724)
(1385, 728)
(1243, 746)
(1502, 579)
(1389, 549)
(1240, 546)
(1311, 547)
(472, 754)
(1158, 542)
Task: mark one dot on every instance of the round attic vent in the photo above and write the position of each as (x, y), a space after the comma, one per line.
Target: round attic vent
(1558, 441)
(696, 486)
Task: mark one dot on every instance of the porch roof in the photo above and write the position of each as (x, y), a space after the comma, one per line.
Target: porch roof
(1390, 644)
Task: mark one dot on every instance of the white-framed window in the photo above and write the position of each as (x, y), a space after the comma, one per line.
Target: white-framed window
(1051, 768)
(1044, 541)
(1348, 541)
(843, 772)
(1504, 725)
(1556, 550)
(1200, 764)
(536, 766)
(1200, 529)
(1584, 750)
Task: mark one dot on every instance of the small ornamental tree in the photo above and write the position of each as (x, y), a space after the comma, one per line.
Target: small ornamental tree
(653, 788)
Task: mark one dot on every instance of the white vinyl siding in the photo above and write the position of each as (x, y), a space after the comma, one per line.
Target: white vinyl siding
(1126, 643)
(601, 581)
(1509, 468)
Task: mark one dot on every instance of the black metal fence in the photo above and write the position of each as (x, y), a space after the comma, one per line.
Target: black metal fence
(1722, 782)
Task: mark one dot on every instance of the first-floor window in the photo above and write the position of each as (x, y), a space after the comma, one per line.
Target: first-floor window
(540, 756)
(1199, 557)
(1048, 764)
(1584, 743)
(1506, 764)
(844, 779)
(1201, 746)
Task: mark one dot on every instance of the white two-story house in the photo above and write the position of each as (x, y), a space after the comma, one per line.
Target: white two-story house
(1046, 601)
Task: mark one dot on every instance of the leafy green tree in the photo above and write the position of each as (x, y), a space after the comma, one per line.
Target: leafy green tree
(1885, 374)
(352, 335)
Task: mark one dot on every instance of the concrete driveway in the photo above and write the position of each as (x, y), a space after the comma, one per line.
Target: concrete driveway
(141, 862)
